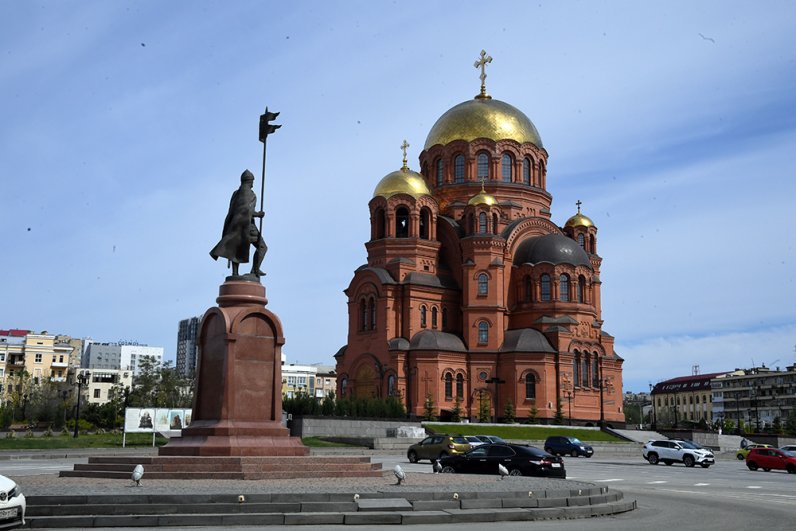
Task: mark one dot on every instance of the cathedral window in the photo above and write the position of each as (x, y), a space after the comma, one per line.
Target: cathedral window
(380, 224)
(581, 242)
(494, 224)
(527, 288)
(422, 317)
(343, 387)
(444, 319)
(576, 369)
(440, 171)
(506, 164)
(434, 317)
(448, 386)
(545, 283)
(402, 223)
(391, 385)
(592, 247)
(585, 370)
(425, 222)
(458, 169)
(581, 289)
(483, 284)
(483, 332)
(526, 170)
(372, 311)
(530, 386)
(563, 287)
(470, 224)
(460, 386)
(483, 166)
(363, 315)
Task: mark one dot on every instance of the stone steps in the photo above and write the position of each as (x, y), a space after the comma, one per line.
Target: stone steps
(410, 507)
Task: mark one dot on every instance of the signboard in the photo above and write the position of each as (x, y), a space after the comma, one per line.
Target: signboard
(169, 422)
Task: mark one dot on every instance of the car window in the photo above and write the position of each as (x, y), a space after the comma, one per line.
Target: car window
(686, 444)
(477, 452)
(460, 440)
(499, 450)
(660, 444)
(575, 440)
(427, 440)
(436, 440)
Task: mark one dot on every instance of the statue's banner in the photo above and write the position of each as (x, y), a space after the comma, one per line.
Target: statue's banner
(151, 420)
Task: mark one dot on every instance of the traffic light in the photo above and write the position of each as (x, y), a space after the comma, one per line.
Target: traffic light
(265, 127)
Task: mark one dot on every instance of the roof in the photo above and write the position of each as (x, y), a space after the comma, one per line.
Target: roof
(436, 340)
(525, 340)
(683, 384)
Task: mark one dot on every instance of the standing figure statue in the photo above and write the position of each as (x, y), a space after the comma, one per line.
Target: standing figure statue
(240, 231)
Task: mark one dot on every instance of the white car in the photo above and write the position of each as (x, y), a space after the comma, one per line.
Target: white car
(669, 452)
(12, 504)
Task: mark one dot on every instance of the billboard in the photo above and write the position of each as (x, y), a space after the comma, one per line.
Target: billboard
(156, 420)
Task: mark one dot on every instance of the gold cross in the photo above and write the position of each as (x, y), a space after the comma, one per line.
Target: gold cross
(578, 203)
(403, 147)
(481, 63)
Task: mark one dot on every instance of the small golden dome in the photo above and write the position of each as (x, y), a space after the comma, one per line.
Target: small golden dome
(482, 198)
(483, 118)
(403, 181)
(579, 220)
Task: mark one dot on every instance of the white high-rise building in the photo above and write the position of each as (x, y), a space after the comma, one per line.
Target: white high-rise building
(120, 356)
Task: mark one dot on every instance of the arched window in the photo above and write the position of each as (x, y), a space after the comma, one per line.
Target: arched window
(581, 289)
(483, 284)
(545, 282)
(459, 385)
(482, 223)
(425, 222)
(483, 332)
(483, 167)
(595, 371)
(505, 167)
(458, 169)
(422, 317)
(380, 224)
(530, 386)
(444, 319)
(391, 385)
(563, 287)
(363, 315)
(448, 386)
(527, 288)
(440, 170)
(592, 248)
(372, 308)
(581, 241)
(434, 317)
(526, 170)
(402, 222)
(343, 387)
(494, 223)
(576, 369)
(585, 370)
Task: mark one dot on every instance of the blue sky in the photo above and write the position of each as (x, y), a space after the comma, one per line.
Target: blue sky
(125, 127)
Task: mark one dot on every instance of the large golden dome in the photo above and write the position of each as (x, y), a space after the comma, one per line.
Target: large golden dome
(403, 181)
(579, 220)
(483, 118)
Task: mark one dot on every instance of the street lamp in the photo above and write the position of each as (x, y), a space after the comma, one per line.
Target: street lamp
(654, 414)
(64, 396)
(755, 393)
(738, 430)
(81, 382)
(569, 395)
(24, 406)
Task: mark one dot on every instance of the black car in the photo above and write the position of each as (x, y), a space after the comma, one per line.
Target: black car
(519, 460)
(560, 445)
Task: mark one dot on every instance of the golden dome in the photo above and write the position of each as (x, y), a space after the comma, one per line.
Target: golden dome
(482, 198)
(483, 117)
(579, 220)
(403, 181)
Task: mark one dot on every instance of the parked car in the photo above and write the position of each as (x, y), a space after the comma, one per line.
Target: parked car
(669, 452)
(560, 445)
(437, 447)
(473, 441)
(12, 504)
(790, 448)
(491, 439)
(770, 459)
(743, 452)
(519, 460)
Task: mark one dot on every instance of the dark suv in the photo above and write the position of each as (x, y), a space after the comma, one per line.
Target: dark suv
(560, 445)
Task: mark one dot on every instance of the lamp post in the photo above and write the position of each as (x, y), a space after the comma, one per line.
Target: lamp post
(81, 382)
(754, 394)
(64, 396)
(24, 406)
(497, 381)
(654, 414)
(738, 430)
(569, 395)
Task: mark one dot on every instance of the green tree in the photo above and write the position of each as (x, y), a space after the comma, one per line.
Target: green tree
(508, 413)
(559, 417)
(790, 424)
(484, 407)
(456, 414)
(533, 414)
(428, 408)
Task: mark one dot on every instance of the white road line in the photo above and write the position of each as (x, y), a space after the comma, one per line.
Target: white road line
(701, 484)
(753, 487)
(607, 480)
(656, 482)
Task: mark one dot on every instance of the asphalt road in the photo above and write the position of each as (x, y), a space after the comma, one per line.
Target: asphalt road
(725, 496)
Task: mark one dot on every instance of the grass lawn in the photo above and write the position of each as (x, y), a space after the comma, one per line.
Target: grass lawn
(95, 440)
(317, 442)
(531, 433)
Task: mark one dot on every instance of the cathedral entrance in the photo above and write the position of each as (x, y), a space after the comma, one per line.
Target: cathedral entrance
(366, 383)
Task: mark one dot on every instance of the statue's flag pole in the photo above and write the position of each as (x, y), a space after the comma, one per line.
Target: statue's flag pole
(265, 129)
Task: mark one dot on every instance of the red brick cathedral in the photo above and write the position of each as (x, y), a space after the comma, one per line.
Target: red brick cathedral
(471, 293)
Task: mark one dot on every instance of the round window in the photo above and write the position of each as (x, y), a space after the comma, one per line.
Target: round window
(482, 375)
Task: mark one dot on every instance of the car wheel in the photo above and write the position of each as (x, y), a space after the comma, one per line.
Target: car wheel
(705, 465)
(588, 455)
(653, 459)
(412, 455)
(688, 461)
(549, 451)
(515, 472)
(791, 469)
(448, 470)
(574, 453)
(443, 454)
(751, 465)
(740, 457)
(668, 462)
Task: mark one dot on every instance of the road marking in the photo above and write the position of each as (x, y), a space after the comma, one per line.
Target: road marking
(753, 487)
(655, 482)
(607, 480)
(701, 484)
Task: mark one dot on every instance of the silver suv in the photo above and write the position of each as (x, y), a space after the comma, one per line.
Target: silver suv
(669, 452)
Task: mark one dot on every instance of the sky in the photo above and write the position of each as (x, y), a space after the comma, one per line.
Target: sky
(124, 128)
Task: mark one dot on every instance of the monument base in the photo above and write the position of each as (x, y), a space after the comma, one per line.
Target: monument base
(227, 438)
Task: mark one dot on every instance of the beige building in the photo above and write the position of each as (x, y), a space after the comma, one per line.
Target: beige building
(102, 383)
(683, 399)
(43, 357)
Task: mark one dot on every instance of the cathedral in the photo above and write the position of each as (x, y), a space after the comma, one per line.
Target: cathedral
(473, 300)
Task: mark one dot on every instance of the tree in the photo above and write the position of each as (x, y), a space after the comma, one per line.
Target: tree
(428, 408)
(559, 417)
(790, 424)
(484, 407)
(508, 413)
(456, 414)
(533, 415)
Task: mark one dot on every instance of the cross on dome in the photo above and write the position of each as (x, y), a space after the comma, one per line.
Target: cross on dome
(481, 63)
(578, 202)
(404, 145)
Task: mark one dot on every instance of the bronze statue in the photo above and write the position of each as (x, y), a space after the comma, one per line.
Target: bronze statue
(240, 231)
